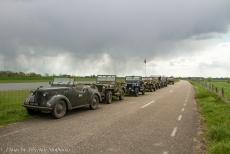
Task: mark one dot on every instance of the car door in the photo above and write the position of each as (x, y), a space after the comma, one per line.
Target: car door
(79, 96)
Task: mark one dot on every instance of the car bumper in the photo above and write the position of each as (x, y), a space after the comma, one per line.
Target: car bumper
(38, 107)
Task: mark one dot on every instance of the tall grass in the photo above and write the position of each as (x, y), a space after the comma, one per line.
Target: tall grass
(11, 109)
(216, 114)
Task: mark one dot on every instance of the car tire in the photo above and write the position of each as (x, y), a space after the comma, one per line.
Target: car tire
(136, 92)
(94, 102)
(59, 110)
(121, 97)
(143, 92)
(31, 112)
(151, 89)
(109, 97)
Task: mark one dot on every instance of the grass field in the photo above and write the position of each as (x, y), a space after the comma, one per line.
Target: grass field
(11, 106)
(216, 115)
(222, 84)
(39, 79)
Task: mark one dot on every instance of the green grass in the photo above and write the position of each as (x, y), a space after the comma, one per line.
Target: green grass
(223, 84)
(40, 79)
(216, 115)
(11, 109)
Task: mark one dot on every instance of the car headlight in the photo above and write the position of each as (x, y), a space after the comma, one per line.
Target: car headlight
(45, 94)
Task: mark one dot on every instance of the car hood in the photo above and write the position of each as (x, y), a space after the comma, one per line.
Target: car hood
(51, 88)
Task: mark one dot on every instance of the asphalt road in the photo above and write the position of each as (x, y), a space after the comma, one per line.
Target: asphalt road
(163, 122)
(22, 86)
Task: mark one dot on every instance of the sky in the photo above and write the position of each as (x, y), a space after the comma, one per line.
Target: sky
(85, 37)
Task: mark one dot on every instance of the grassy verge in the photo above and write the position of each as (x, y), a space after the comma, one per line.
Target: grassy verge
(40, 79)
(216, 115)
(11, 109)
(223, 84)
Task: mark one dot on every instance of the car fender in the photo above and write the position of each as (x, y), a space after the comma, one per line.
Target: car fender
(56, 98)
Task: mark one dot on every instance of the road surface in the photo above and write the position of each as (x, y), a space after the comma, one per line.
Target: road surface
(163, 122)
(22, 86)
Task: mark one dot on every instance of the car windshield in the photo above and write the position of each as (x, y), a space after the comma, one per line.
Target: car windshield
(132, 78)
(109, 78)
(64, 81)
(147, 78)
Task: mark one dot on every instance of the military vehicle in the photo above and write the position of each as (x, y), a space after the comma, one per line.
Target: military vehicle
(157, 81)
(108, 87)
(134, 85)
(63, 95)
(150, 84)
(163, 81)
(171, 80)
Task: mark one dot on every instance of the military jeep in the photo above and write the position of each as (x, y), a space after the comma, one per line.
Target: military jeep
(171, 80)
(163, 81)
(134, 85)
(63, 95)
(150, 84)
(157, 81)
(108, 87)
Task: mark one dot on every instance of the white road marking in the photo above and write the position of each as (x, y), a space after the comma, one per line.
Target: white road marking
(180, 117)
(173, 134)
(182, 110)
(147, 104)
(165, 152)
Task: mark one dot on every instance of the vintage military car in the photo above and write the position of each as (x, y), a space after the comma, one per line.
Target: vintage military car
(108, 86)
(63, 95)
(171, 80)
(134, 85)
(149, 83)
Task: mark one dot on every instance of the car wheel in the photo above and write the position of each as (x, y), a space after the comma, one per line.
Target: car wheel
(31, 112)
(136, 92)
(121, 97)
(94, 103)
(143, 92)
(59, 110)
(109, 97)
(151, 89)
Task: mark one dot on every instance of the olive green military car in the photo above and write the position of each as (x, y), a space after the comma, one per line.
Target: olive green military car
(150, 84)
(63, 95)
(108, 86)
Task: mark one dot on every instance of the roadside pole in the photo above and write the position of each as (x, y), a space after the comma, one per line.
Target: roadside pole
(145, 61)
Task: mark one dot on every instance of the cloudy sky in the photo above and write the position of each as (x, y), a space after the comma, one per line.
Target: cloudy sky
(84, 37)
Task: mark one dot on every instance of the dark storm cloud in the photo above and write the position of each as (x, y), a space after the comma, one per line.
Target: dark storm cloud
(123, 29)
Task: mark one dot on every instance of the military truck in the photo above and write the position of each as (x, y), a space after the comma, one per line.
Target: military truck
(171, 80)
(134, 85)
(150, 84)
(108, 86)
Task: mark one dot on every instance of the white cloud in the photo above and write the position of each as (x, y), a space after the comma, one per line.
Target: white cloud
(213, 61)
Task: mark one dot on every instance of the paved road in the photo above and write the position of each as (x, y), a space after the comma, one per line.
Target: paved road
(22, 86)
(163, 122)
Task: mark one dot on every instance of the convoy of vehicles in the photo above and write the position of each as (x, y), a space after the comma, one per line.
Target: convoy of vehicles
(64, 94)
